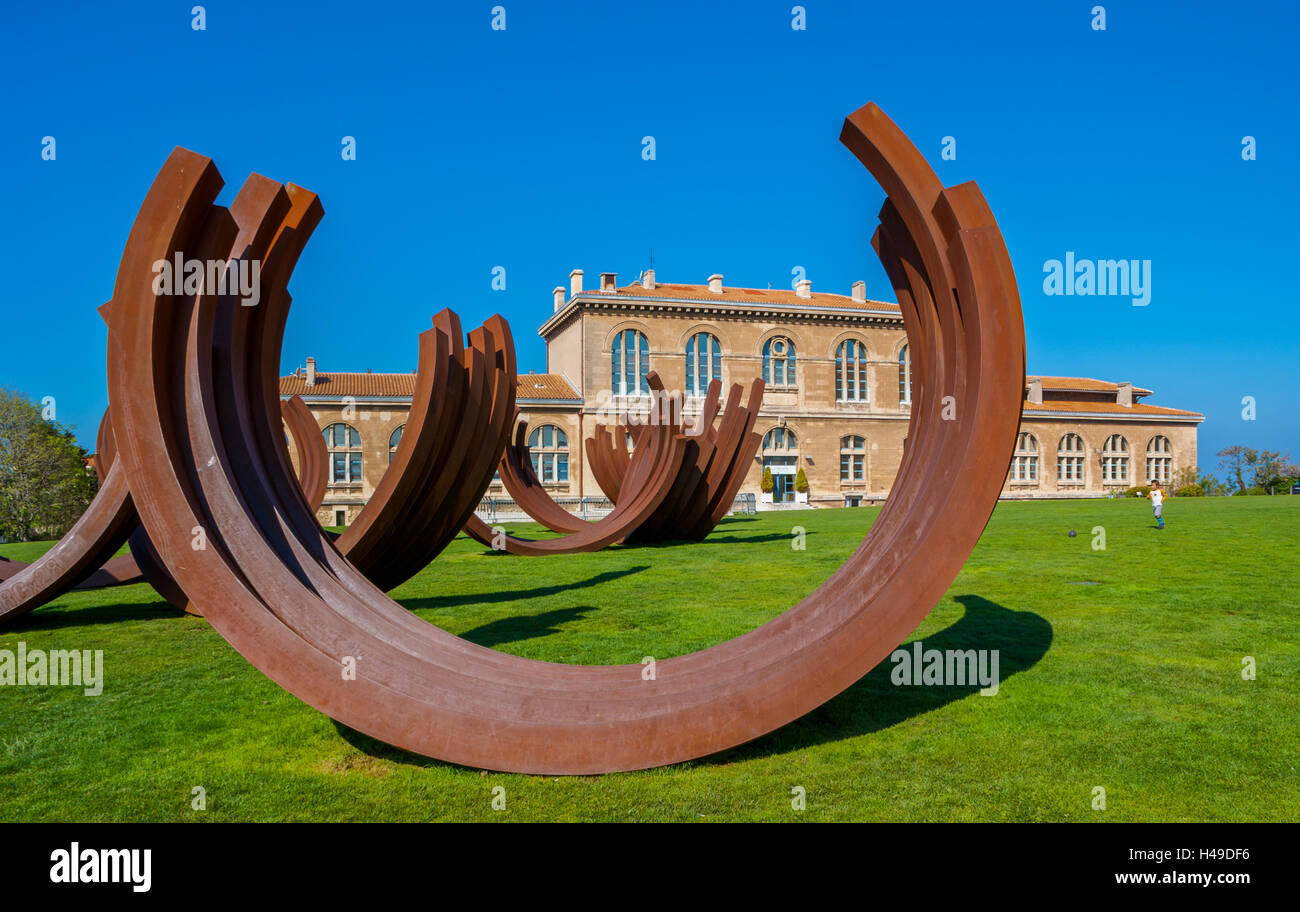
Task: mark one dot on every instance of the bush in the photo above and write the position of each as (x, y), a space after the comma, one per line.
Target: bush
(1139, 491)
(801, 482)
(1191, 490)
(767, 484)
(1255, 492)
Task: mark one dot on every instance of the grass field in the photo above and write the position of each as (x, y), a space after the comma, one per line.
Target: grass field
(1120, 669)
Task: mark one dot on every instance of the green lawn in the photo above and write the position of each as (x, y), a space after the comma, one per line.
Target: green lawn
(1120, 668)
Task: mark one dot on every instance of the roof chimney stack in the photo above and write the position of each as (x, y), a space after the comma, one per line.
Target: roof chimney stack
(559, 296)
(715, 283)
(860, 291)
(1036, 390)
(608, 281)
(575, 283)
(311, 371)
(803, 288)
(1125, 395)
(648, 279)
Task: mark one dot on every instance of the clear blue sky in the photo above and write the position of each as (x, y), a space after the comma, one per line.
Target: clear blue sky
(522, 148)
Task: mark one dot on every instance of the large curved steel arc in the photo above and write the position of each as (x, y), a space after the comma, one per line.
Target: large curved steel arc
(291, 604)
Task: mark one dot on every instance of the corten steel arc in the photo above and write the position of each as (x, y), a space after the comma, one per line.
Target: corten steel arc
(274, 586)
(649, 481)
(718, 458)
(684, 498)
(313, 459)
(458, 424)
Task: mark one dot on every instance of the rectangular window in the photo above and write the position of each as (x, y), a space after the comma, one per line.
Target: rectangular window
(354, 468)
(340, 469)
(562, 467)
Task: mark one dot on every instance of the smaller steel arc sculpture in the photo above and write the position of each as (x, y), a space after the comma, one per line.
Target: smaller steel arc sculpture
(186, 390)
(717, 461)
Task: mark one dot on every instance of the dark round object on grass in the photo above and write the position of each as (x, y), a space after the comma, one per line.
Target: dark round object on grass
(1073, 533)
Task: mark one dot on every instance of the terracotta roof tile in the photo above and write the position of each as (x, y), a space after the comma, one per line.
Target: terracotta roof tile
(340, 384)
(754, 297)
(1084, 384)
(1110, 408)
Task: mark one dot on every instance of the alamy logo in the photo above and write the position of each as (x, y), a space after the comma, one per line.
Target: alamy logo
(25, 667)
(96, 866)
(1124, 278)
(242, 278)
(952, 668)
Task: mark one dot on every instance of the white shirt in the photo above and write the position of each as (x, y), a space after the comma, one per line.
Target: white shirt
(1157, 497)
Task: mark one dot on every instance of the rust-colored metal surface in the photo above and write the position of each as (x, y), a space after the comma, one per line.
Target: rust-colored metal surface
(189, 378)
(684, 498)
(458, 425)
(717, 460)
(313, 454)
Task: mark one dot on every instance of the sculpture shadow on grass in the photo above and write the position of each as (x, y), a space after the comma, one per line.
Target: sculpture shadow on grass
(513, 595)
(873, 704)
(111, 613)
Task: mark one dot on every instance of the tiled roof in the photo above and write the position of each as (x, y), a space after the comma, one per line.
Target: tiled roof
(402, 386)
(545, 386)
(1109, 408)
(1084, 385)
(754, 297)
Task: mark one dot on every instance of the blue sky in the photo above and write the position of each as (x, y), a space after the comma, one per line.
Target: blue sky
(522, 148)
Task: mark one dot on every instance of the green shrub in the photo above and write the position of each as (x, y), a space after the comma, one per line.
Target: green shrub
(1191, 490)
(1139, 491)
(767, 484)
(801, 482)
(1254, 492)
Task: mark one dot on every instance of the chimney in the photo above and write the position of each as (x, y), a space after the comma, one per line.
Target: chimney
(860, 291)
(803, 288)
(311, 371)
(1125, 395)
(608, 281)
(1036, 390)
(715, 283)
(575, 282)
(648, 279)
(559, 296)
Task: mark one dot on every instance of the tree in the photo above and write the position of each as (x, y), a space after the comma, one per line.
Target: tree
(1188, 475)
(1274, 472)
(801, 481)
(44, 483)
(1237, 460)
(767, 484)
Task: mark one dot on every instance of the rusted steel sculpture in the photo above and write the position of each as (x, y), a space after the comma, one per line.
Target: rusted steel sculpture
(690, 494)
(650, 478)
(718, 458)
(459, 422)
(192, 383)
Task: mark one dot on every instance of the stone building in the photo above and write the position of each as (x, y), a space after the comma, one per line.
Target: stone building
(836, 406)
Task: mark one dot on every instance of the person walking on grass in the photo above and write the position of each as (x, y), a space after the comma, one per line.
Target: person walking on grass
(1158, 503)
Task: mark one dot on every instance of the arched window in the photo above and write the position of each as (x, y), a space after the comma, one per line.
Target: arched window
(1069, 459)
(344, 445)
(1114, 460)
(703, 363)
(549, 448)
(780, 440)
(394, 439)
(851, 371)
(1160, 459)
(1024, 465)
(630, 363)
(853, 459)
(904, 376)
(778, 362)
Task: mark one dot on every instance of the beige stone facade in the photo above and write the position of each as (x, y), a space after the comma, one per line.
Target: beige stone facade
(837, 403)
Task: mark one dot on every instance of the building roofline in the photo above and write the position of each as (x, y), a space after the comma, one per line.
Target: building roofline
(634, 301)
